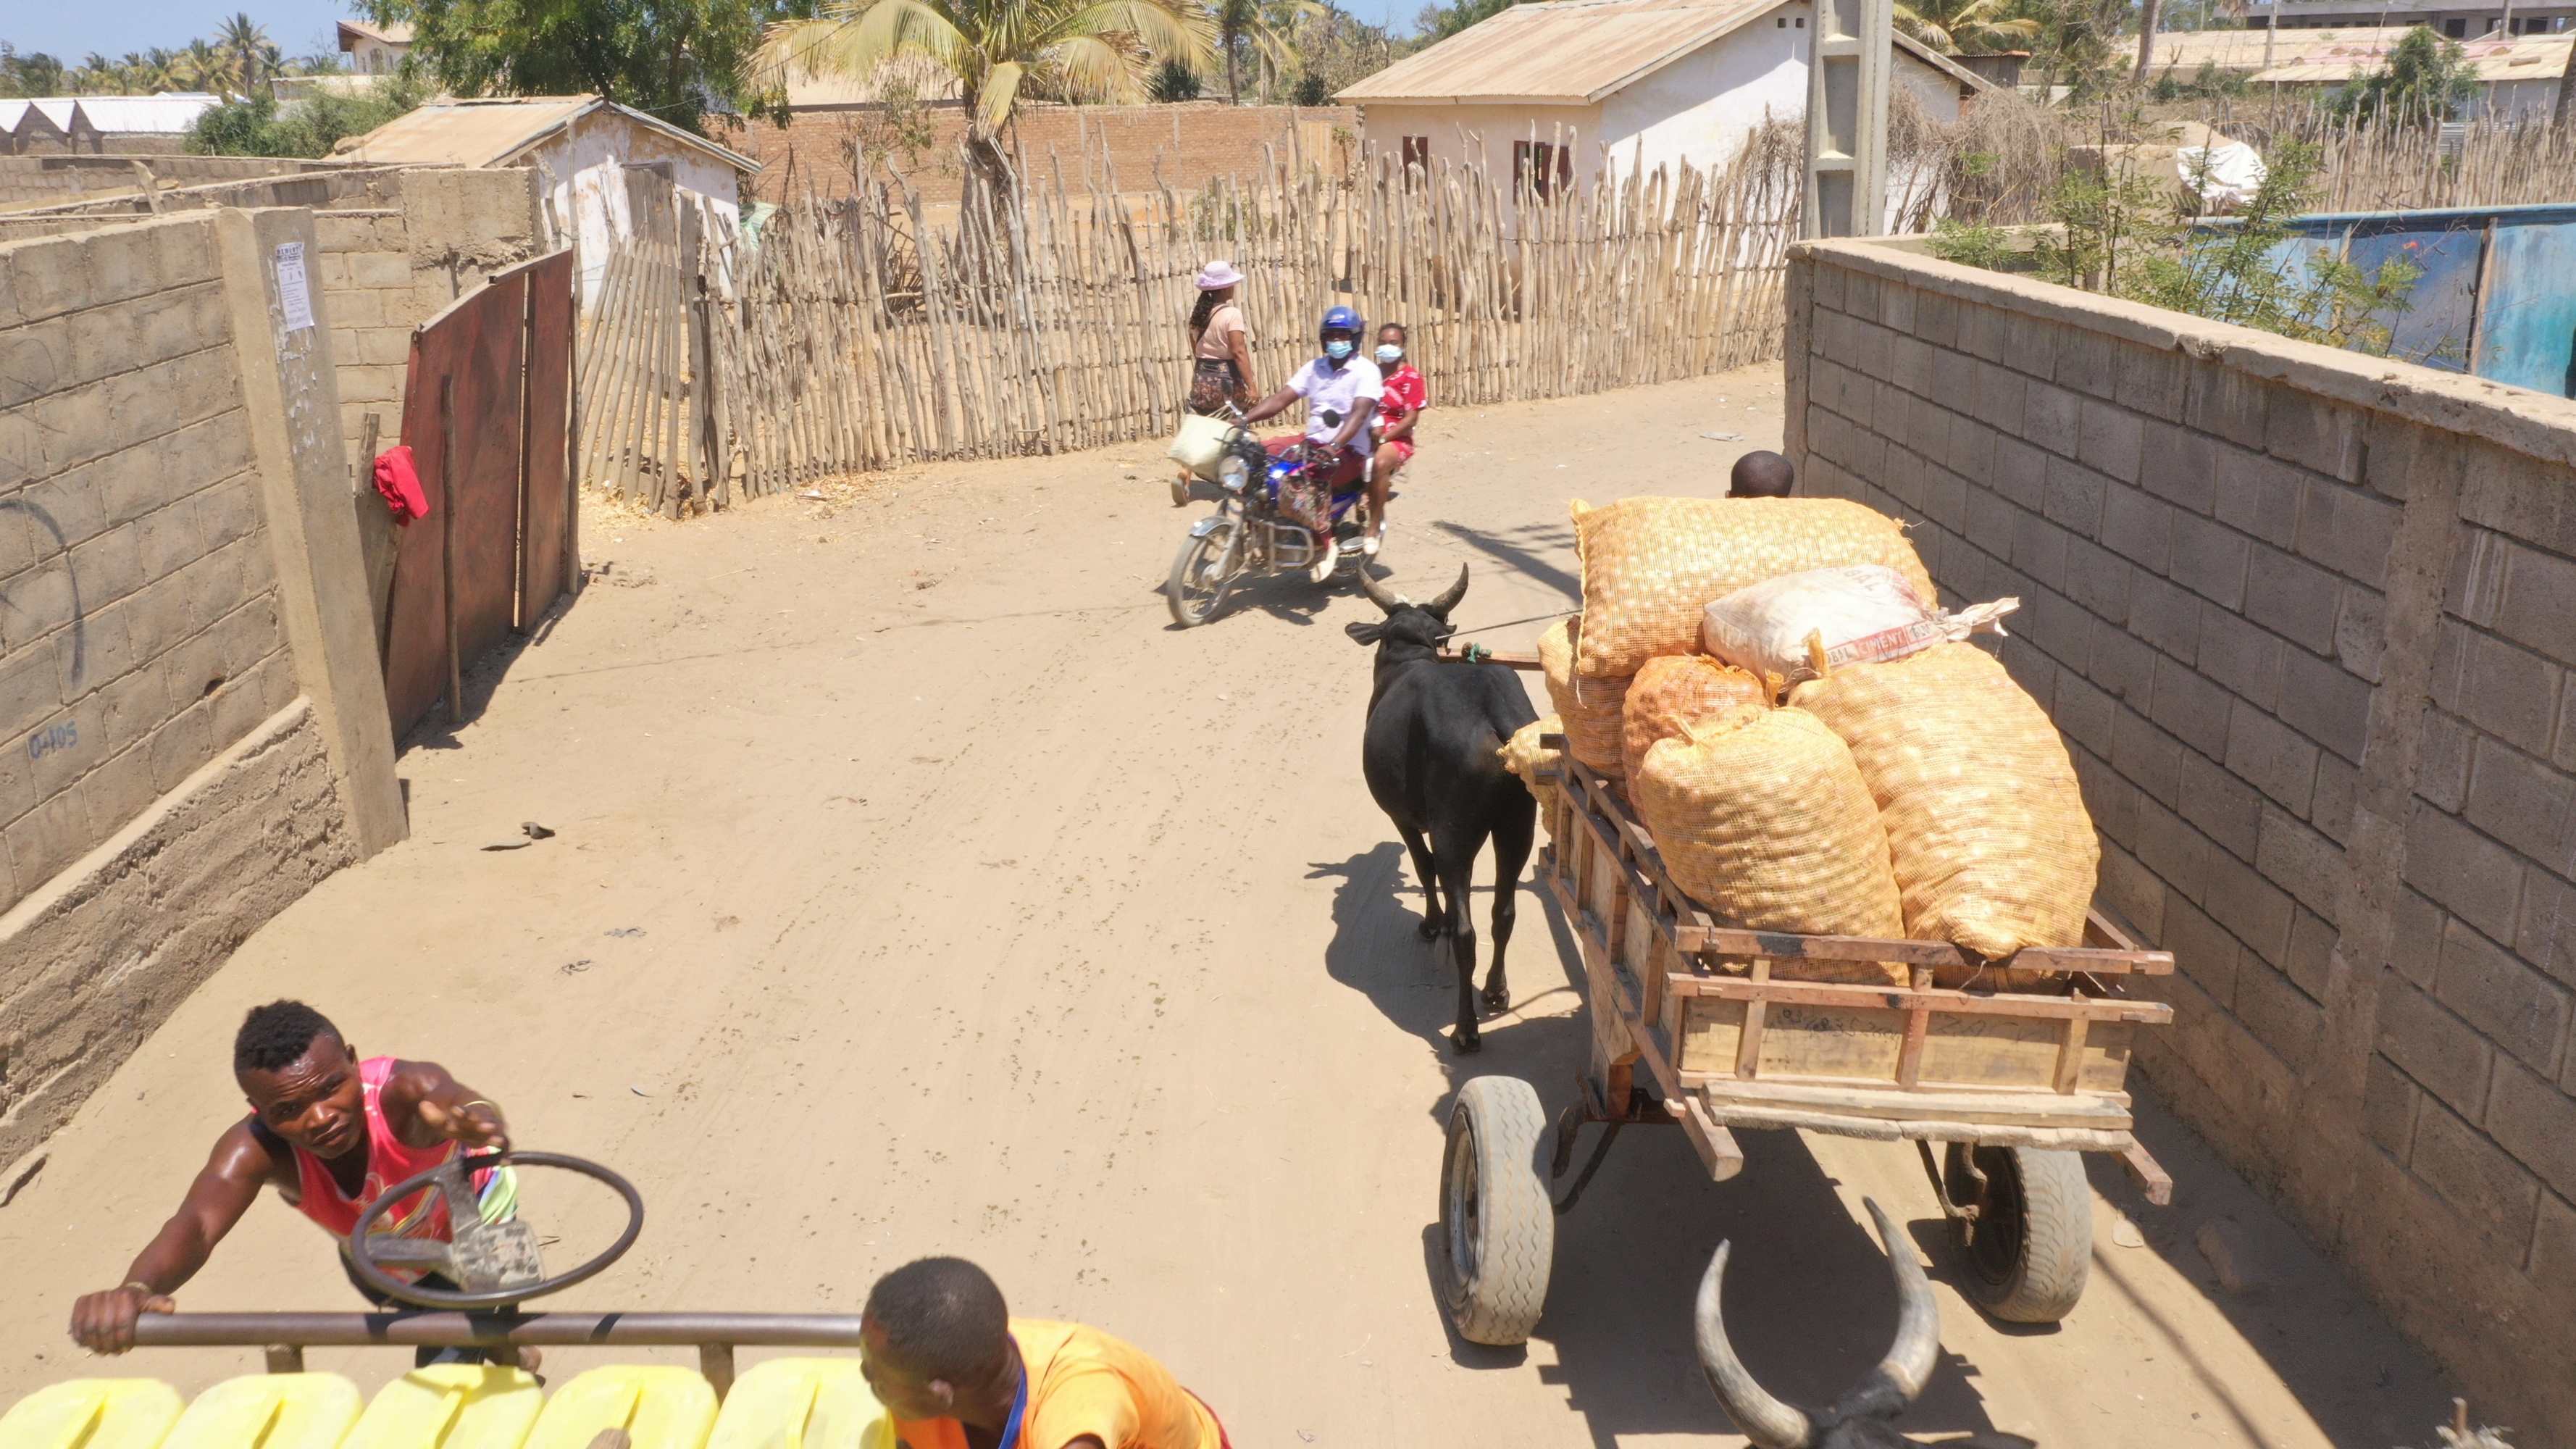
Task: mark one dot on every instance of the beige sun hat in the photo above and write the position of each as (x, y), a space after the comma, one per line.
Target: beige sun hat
(1218, 274)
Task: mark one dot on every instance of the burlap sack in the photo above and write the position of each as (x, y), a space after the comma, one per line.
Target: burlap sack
(1992, 847)
(1651, 565)
(1592, 721)
(1524, 756)
(1763, 818)
(1675, 690)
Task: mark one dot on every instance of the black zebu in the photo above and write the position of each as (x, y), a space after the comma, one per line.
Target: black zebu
(1434, 764)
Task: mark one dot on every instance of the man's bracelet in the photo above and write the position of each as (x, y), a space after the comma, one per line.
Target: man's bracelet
(137, 1284)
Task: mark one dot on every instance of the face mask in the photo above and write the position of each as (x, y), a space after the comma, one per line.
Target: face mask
(1390, 353)
(1337, 349)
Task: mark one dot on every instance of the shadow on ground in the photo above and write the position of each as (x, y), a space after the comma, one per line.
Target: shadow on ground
(1810, 1304)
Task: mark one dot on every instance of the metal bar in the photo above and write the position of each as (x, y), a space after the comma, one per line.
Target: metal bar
(496, 1330)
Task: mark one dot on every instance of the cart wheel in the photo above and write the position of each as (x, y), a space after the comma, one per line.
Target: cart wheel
(2032, 1249)
(1497, 1228)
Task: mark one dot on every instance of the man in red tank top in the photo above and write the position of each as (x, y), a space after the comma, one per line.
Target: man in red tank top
(330, 1132)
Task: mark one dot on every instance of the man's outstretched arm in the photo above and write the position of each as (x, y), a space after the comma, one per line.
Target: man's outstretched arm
(223, 1191)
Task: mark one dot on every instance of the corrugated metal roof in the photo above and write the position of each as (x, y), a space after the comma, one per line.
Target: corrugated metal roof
(2525, 57)
(170, 115)
(57, 109)
(1571, 52)
(498, 130)
(2186, 51)
(11, 113)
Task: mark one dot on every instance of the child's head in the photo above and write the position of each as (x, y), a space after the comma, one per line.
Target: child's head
(1761, 475)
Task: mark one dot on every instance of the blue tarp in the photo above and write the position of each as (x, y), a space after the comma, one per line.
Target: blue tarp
(2515, 311)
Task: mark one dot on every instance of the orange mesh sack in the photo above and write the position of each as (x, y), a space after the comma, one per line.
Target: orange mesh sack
(1675, 690)
(1524, 756)
(1763, 818)
(1992, 847)
(1592, 721)
(1652, 565)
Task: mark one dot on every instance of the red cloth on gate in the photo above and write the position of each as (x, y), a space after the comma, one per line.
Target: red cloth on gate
(398, 482)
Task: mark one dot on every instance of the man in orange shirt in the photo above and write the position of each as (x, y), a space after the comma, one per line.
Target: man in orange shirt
(958, 1372)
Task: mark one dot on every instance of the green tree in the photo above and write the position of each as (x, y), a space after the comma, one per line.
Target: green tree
(257, 126)
(1000, 52)
(1174, 81)
(2424, 76)
(1443, 21)
(673, 59)
(36, 74)
(254, 58)
(1965, 26)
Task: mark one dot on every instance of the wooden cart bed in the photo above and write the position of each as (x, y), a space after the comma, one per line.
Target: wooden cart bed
(1729, 1043)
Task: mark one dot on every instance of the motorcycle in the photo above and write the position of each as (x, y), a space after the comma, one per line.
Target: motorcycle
(1253, 531)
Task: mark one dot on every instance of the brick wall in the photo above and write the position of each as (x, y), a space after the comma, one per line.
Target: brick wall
(1192, 141)
(2305, 620)
(41, 180)
(140, 637)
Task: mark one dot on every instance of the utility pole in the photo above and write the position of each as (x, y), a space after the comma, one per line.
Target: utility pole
(1848, 73)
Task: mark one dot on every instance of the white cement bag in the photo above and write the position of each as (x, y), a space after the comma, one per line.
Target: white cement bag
(1784, 628)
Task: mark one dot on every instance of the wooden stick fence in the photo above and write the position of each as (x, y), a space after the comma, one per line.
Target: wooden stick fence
(1049, 315)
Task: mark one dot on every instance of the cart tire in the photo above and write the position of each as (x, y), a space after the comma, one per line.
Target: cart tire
(1497, 1227)
(2032, 1251)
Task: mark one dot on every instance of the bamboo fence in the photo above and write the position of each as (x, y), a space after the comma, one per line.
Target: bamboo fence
(1049, 315)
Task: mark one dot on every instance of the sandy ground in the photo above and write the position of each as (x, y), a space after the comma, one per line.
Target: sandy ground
(918, 889)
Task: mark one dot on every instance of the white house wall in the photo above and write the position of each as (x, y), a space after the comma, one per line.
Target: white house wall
(590, 183)
(1454, 132)
(1703, 108)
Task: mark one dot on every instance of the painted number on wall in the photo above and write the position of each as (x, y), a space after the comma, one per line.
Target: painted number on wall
(51, 738)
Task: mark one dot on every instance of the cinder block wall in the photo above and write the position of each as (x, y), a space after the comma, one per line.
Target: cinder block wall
(141, 635)
(195, 728)
(2306, 620)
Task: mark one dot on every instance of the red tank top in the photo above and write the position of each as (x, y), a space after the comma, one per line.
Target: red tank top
(389, 1161)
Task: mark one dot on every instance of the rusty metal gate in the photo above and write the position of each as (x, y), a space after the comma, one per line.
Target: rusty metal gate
(487, 408)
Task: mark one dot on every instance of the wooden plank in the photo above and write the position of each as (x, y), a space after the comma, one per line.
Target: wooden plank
(1718, 1151)
(2036, 1108)
(2070, 1054)
(1875, 1129)
(1748, 1047)
(2148, 1174)
(1906, 998)
(2092, 960)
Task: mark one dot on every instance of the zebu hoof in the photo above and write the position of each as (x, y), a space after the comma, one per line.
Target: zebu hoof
(1429, 930)
(1468, 1043)
(1496, 998)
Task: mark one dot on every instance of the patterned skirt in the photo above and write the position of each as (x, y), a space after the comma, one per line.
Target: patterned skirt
(1213, 384)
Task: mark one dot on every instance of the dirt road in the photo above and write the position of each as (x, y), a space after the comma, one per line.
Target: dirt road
(917, 889)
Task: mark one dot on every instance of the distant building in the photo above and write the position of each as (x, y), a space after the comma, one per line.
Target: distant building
(2458, 19)
(581, 146)
(374, 49)
(101, 125)
(2516, 75)
(1543, 87)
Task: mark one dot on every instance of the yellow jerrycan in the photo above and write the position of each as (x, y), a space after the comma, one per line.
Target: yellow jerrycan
(802, 1403)
(269, 1411)
(659, 1407)
(93, 1414)
(451, 1406)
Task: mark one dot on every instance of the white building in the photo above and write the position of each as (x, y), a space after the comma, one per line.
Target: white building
(1679, 81)
(583, 146)
(374, 49)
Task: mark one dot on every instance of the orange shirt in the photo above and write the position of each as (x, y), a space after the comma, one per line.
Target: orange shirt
(1082, 1381)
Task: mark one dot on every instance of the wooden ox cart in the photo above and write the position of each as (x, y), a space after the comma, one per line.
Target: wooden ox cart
(2013, 1085)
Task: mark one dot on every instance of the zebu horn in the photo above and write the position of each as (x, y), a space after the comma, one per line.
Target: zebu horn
(1917, 1349)
(1769, 1423)
(1378, 595)
(1439, 608)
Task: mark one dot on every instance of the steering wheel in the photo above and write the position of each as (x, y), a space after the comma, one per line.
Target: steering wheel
(495, 1264)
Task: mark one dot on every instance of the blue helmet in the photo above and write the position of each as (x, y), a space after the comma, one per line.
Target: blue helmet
(1341, 319)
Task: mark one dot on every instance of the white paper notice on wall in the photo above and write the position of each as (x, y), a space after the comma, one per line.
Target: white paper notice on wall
(293, 292)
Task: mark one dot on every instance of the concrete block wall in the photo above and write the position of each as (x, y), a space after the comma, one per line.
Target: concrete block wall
(140, 637)
(36, 180)
(194, 716)
(2307, 622)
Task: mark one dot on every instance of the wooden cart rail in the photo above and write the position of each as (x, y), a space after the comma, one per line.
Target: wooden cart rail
(1729, 1044)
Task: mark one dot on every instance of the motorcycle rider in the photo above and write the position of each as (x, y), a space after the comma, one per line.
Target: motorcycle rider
(1341, 390)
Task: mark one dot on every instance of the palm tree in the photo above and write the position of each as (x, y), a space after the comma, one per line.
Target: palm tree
(1256, 31)
(999, 51)
(246, 46)
(201, 68)
(98, 76)
(1962, 25)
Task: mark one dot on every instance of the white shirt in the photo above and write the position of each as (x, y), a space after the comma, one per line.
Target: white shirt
(1337, 390)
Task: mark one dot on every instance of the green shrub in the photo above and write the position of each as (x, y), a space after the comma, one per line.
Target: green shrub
(260, 126)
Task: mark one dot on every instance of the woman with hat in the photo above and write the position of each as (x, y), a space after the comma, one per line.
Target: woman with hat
(1220, 345)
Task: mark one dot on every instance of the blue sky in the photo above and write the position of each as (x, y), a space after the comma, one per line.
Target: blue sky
(117, 26)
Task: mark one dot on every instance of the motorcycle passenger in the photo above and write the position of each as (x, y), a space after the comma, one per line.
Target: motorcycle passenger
(1397, 411)
(1341, 391)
